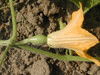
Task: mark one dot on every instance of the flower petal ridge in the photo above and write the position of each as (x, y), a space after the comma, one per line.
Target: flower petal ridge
(74, 37)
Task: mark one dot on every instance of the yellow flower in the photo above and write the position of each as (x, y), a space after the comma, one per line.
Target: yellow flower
(74, 37)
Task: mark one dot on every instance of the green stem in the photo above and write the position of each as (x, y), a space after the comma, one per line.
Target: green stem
(70, 52)
(4, 42)
(5, 52)
(60, 57)
(66, 52)
(12, 39)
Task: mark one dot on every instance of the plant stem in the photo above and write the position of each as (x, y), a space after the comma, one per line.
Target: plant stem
(66, 52)
(5, 52)
(12, 39)
(60, 57)
(4, 42)
(70, 52)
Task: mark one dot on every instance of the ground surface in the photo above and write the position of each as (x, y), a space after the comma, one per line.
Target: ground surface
(40, 17)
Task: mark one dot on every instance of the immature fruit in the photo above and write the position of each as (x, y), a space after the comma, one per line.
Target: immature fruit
(36, 40)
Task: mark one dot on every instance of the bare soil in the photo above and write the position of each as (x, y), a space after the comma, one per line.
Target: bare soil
(41, 17)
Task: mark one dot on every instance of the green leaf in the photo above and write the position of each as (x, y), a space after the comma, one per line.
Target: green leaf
(62, 25)
(87, 4)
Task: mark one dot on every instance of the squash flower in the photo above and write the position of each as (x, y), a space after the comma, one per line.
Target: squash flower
(74, 37)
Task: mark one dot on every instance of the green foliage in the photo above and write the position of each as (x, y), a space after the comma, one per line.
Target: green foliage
(87, 4)
(62, 25)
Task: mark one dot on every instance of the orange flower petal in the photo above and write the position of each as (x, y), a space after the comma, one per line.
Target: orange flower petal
(74, 37)
(85, 55)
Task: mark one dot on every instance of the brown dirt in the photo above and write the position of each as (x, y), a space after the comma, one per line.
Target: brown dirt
(40, 17)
